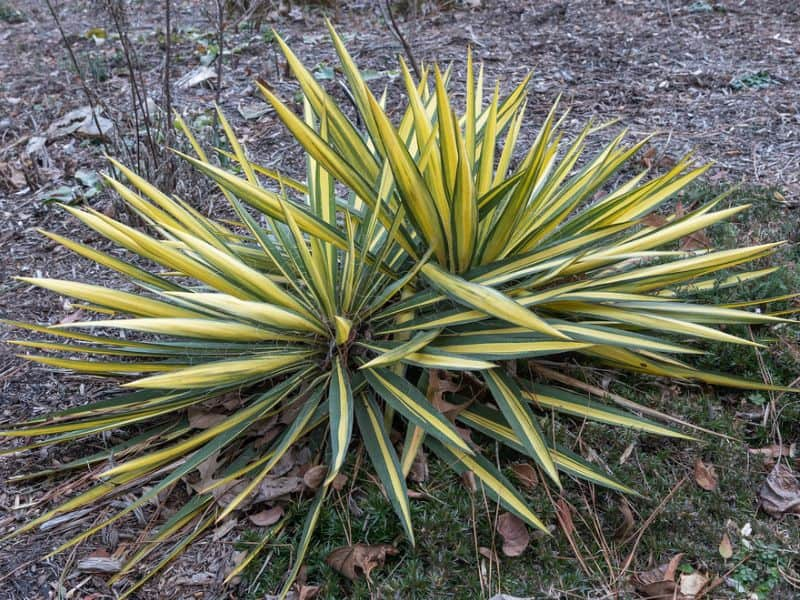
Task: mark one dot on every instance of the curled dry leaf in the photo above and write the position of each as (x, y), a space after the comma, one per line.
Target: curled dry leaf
(468, 479)
(339, 482)
(419, 468)
(725, 547)
(307, 592)
(705, 475)
(514, 533)
(780, 493)
(526, 474)
(488, 553)
(268, 517)
(564, 516)
(359, 559)
(692, 583)
(438, 386)
(659, 583)
(314, 477)
(628, 522)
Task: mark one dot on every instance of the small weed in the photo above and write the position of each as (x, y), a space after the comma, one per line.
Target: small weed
(752, 81)
(11, 15)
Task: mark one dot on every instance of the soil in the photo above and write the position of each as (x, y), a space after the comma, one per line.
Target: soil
(720, 78)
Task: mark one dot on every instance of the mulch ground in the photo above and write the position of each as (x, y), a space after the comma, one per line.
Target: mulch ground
(720, 78)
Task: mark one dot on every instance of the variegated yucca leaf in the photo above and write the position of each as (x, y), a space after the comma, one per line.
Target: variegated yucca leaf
(453, 250)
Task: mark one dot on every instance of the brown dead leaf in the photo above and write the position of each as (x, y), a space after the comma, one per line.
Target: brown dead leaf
(725, 547)
(419, 468)
(438, 385)
(660, 590)
(267, 517)
(468, 479)
(353, 561)
(648, 157)
(692, 583)
(72, 317)
(223, 530)
(314, 477)
(659, 583)
(489, 554)
(275, 487)
(628, 522)
(200, 418)
(780, 493)
(655, 220)
(705, 475)
(697, 240)
(307, 592)
(526, 474)
(339, 482)
(664, 572)
(564, 516)
(514, 533)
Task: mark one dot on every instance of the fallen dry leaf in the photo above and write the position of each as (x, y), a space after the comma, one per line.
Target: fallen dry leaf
(307, 592)
(438, 385)
(468, 479)
(223, 530)
(780, 493)
(339, 482)
(274, 487)
(664, 572)
(353, 561)
(660, 590)
(564, 517)
(419, 468)
(314, 477)
(705, 475)
(200, 418)
(526, 473)
(725, 547)
(698, 240)
(514, 533)
(628, 521)
(488, 553)
(692, 583)
(659, 583)
(267, 517)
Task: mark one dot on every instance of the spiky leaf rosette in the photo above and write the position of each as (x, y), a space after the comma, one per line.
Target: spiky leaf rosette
(331, 315)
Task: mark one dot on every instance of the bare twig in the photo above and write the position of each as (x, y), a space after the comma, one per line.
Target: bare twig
(220, 46)
(399, 34)
(138, 93)
(169, 176)
(90, 98)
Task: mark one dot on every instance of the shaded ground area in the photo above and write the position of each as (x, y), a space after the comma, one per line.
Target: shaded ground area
(717, 77)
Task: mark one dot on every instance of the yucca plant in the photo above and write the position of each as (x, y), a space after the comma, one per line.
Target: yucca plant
(338, 310)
